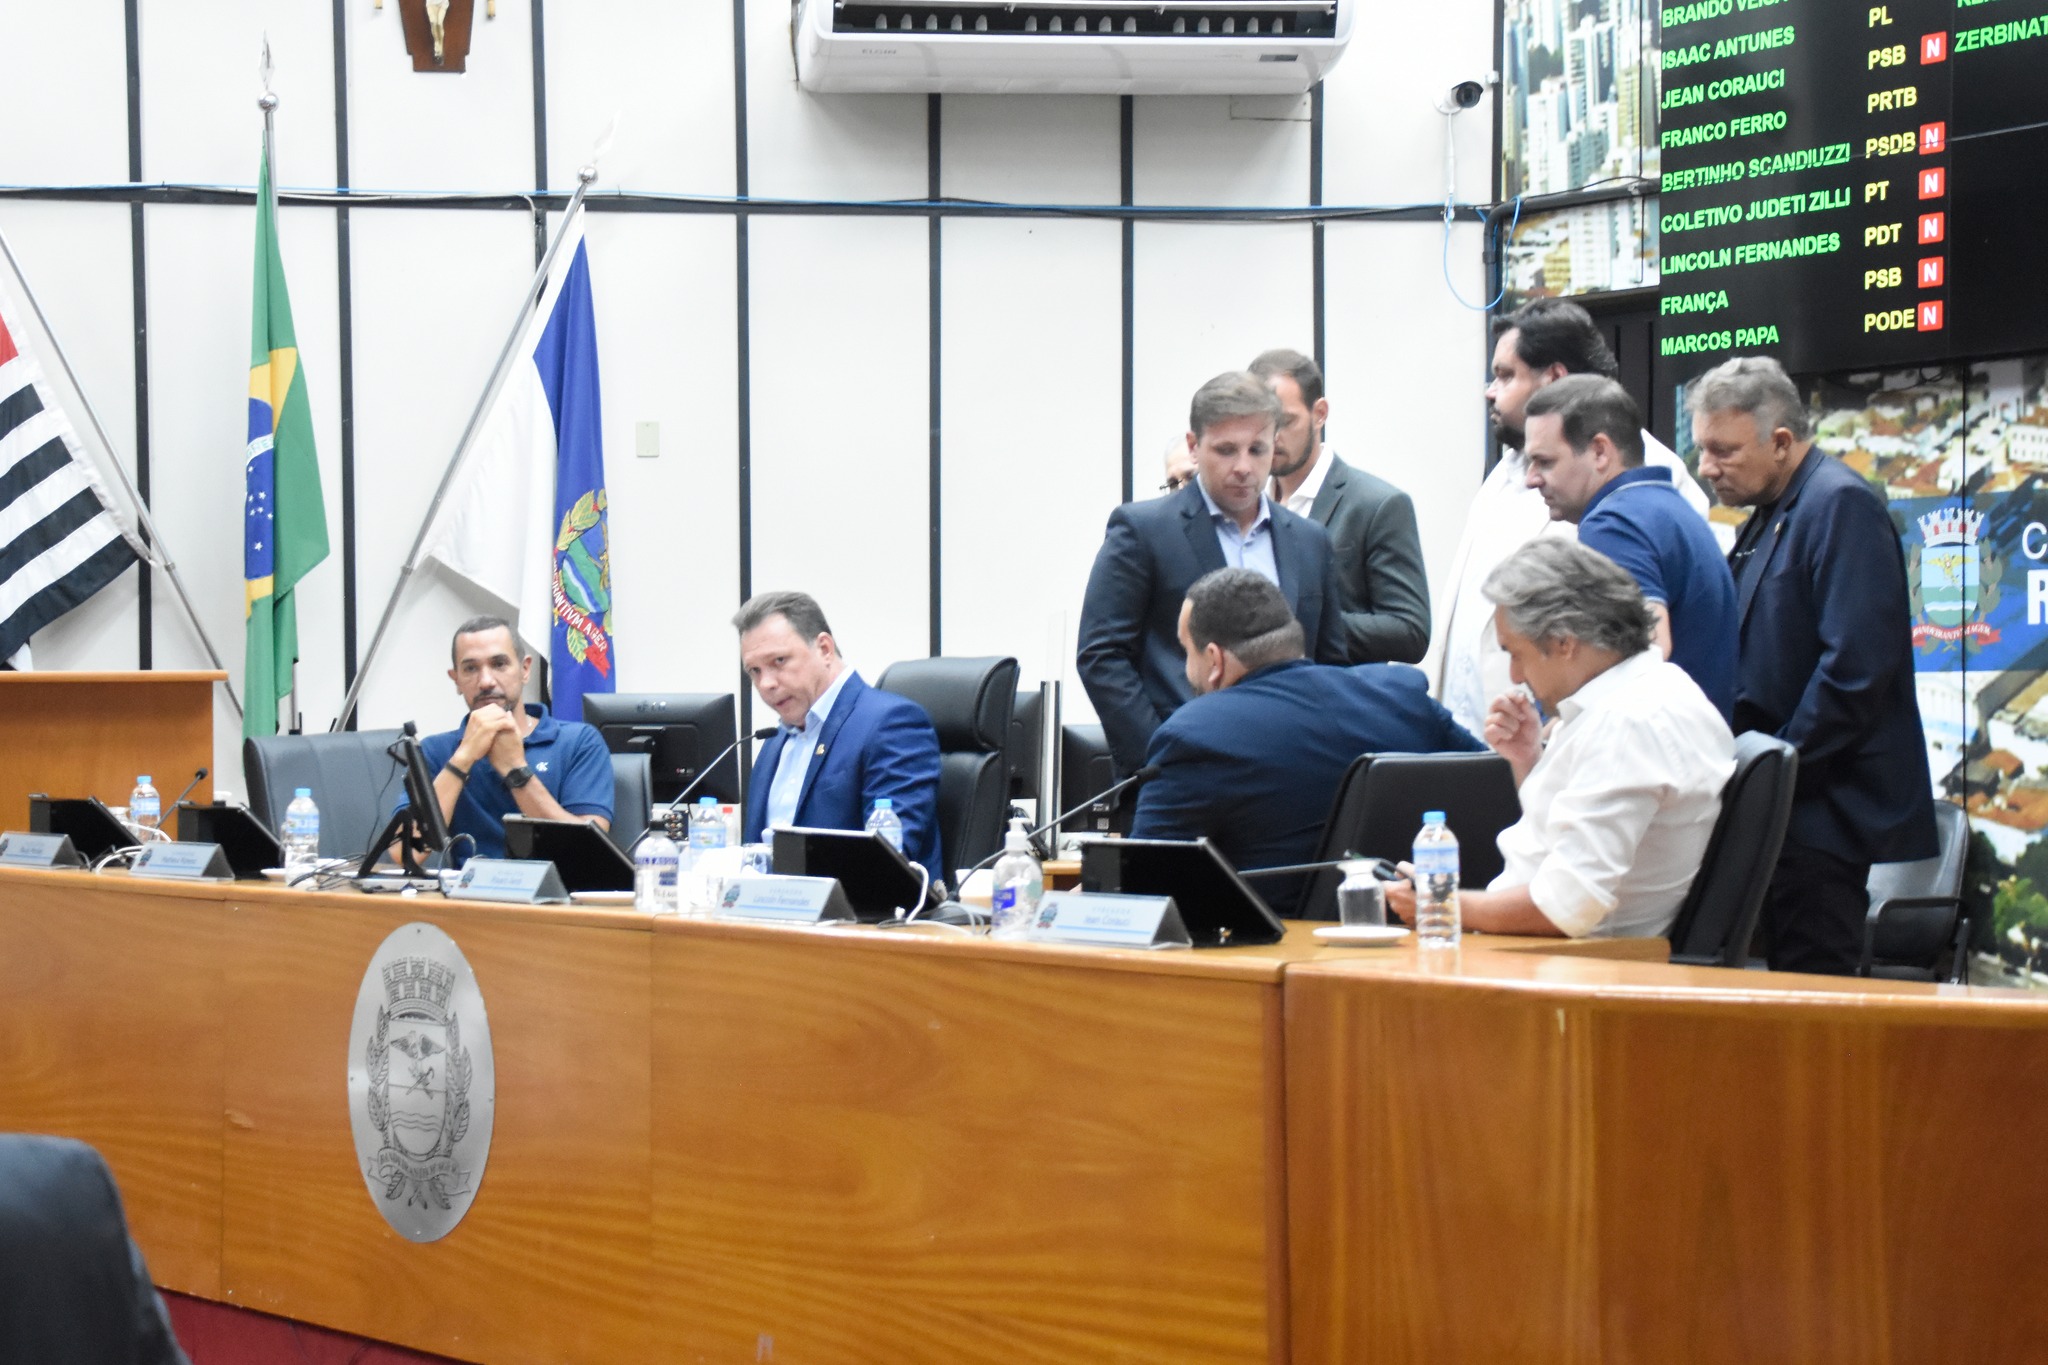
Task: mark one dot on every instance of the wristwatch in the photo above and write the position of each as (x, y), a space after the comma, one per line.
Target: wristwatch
(519, 777)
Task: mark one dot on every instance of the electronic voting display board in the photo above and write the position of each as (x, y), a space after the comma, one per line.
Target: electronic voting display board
(1852, 186)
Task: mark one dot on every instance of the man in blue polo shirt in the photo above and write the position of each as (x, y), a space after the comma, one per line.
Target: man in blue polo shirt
(1585, 451)
(508, 758)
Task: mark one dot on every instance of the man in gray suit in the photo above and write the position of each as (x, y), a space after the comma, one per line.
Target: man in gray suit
(1371, 523)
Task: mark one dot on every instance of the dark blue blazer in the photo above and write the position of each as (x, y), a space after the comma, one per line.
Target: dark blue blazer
(1827, 665)
(874, 744)
(1256, 766)
(1130, 658)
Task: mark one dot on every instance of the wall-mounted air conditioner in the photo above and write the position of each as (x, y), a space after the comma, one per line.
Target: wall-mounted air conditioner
(1040, 47)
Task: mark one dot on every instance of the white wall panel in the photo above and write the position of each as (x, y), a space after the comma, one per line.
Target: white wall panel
(200, 83)
(1209, 298)
(1383, 140)
(665, 70)
(412, 130)
(1032, 425)
(1409, 366)
(77, 259)
(1211, 149)
(664, 290)
(200, 262)
(425, 342)
(1031, 149)
(841, 440)
(806, 146)
(67, 116)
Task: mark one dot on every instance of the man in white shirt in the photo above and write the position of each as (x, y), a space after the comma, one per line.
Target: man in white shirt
(1538, 344)
(1620, 799)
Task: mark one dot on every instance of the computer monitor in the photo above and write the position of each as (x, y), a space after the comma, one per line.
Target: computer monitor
(418, 826)
(1219, 908)
(875, 875)
(249, 846)
(582, 853)
(682, 734)
(95, 831)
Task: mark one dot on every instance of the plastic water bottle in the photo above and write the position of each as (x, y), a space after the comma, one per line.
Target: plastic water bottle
(885, 823)
(655, 885)
(145, 806)
(1437, 921)
(1019, 884)
(707, 827)
(301, 835)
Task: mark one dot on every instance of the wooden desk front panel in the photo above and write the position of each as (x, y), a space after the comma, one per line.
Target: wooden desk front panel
(890, 1151)
(109, 999)
(1491, 1173)
(550, 1264)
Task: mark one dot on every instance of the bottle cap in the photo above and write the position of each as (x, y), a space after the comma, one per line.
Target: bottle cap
(707, 800)
(143, 781)
(1432, 817)
(884, 803)
(306, 792)
(1018, 839)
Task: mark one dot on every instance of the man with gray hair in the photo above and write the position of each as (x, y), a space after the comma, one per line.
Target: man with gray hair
(1254, 761)
(1620, 799)
(1130, 658)
(1826, 658)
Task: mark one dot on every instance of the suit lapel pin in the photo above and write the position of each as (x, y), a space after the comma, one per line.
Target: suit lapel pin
(821, 751)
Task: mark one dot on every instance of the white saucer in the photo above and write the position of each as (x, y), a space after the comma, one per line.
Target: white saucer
(1362, 935)
(601, 897)
(275, 874)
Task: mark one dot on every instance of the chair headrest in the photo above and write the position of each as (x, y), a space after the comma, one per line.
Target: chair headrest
(969, 700)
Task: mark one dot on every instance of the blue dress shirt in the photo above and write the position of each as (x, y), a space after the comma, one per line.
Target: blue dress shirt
(1251, 549)
(797, 749)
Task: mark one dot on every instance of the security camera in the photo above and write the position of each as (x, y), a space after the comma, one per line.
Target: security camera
(1463, 95)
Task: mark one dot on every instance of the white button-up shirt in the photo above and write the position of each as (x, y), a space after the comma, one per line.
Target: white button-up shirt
(1617, 812)
(794, 763)
(1467, 667)
(1303, 498)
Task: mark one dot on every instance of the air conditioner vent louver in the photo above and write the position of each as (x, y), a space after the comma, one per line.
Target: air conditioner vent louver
(1198, 18)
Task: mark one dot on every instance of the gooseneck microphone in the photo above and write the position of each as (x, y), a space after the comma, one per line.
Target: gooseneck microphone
(1143, 775)
(197, 778)
(765, 732)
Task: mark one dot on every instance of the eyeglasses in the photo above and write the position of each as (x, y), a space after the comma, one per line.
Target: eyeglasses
(1175, 483)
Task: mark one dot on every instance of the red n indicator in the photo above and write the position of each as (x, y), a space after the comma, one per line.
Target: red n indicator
(1933, 138)
(1930, 315)
(1934, 182)
(1933, 227)
(1933, 270)
(1933, 48)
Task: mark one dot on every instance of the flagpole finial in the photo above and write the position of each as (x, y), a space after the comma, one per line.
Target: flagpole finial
(267, 101)
(586, 174)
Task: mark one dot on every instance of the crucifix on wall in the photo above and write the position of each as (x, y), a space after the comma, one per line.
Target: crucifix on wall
(437, 31)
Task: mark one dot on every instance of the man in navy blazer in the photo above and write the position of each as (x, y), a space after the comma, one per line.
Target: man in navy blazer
(1130, 657)
(1254, 761)
(1826, 658)
(843, 745)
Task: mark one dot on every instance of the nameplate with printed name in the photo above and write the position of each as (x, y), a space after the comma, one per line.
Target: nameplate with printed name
(1108, 920)
(522, 881)
(784, 899)
(182, 862)
(38, 850)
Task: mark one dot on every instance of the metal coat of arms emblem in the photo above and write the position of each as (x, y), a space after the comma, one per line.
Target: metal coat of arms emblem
(421, 1082)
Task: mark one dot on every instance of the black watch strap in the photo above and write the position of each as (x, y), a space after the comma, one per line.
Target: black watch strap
(519, 777)
(460, 772)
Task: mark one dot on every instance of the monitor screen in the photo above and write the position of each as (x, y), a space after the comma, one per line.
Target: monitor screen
(250, 848)
(682, 734)
(1219, 908)
(93, 828)
(877, 879)
(582, 853)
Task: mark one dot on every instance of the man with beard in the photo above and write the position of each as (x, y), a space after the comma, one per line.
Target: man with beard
(1371, 523)
(1537, 344)
(1254, 761)
(510, 758)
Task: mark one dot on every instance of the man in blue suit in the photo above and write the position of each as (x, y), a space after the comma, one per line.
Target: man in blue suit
(1826, 658)
(843, 745)
(1130, 657)
(1254, 761)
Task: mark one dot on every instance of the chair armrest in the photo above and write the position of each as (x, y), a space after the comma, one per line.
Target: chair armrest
(1877, 912)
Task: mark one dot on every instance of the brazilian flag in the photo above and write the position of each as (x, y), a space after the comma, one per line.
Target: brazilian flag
(285, 526)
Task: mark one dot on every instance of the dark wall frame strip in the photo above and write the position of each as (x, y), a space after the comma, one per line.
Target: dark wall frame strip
(934, 335)
(145, 640)
(1317, 287)
(1127, 180)
(345, 357)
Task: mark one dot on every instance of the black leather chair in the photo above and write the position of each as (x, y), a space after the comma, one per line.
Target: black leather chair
(969, 701)
(632, 798)
(1026, 725)
(1717, 919)
(1916, 909)
(354, 782)
(1379, 807)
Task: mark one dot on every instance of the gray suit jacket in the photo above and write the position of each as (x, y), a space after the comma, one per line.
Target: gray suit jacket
(1379, 565)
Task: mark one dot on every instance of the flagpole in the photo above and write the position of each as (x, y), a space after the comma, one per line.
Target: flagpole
(534, 290)
(267, 102)
(155, 552)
